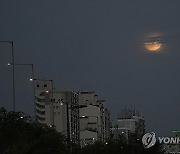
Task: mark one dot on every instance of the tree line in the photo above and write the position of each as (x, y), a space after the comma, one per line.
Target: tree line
(19, 134)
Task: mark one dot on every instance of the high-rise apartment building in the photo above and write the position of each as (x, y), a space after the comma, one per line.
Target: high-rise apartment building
(66, 114)
(94, 119)
(44, 102)
(80, 116)
(58, 109)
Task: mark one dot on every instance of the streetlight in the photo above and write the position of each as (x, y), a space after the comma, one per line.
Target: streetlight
(31, 79)
(13, 78)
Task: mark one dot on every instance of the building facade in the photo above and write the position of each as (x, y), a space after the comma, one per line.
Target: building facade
(57, 109)
(129, 122)
(94, 119)
(43, 102)
(80, 116)
(66, 114)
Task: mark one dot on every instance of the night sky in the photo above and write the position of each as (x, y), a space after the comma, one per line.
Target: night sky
(96, 45)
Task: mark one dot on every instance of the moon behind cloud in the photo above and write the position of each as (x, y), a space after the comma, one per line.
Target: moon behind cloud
(153, 46)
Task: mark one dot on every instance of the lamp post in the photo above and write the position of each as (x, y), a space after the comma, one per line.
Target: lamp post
(13, 78)
(46, 92)
(31, 79)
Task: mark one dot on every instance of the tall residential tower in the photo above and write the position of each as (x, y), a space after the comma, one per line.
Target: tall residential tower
(94, 119)
(57, 109)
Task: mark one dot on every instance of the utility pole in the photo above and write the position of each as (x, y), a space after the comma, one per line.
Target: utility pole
(13, 76)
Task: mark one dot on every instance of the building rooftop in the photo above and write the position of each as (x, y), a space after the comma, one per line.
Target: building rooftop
(128, 114)
(87, 92)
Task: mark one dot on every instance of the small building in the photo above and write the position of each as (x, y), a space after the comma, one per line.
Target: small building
(128, 121)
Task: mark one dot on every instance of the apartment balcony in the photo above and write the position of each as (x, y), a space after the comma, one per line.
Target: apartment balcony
(40, 100)
(40, 107)
(39, 114)
(40, 119)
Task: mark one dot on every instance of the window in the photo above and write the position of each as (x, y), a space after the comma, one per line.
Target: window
(37, 85)
(45, 85)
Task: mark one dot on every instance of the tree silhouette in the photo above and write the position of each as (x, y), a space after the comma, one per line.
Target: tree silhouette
(19, 135)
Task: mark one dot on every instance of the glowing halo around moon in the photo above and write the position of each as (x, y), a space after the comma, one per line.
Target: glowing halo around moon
(153, 46)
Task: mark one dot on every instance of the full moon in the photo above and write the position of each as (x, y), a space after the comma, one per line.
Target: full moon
(153, 46)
